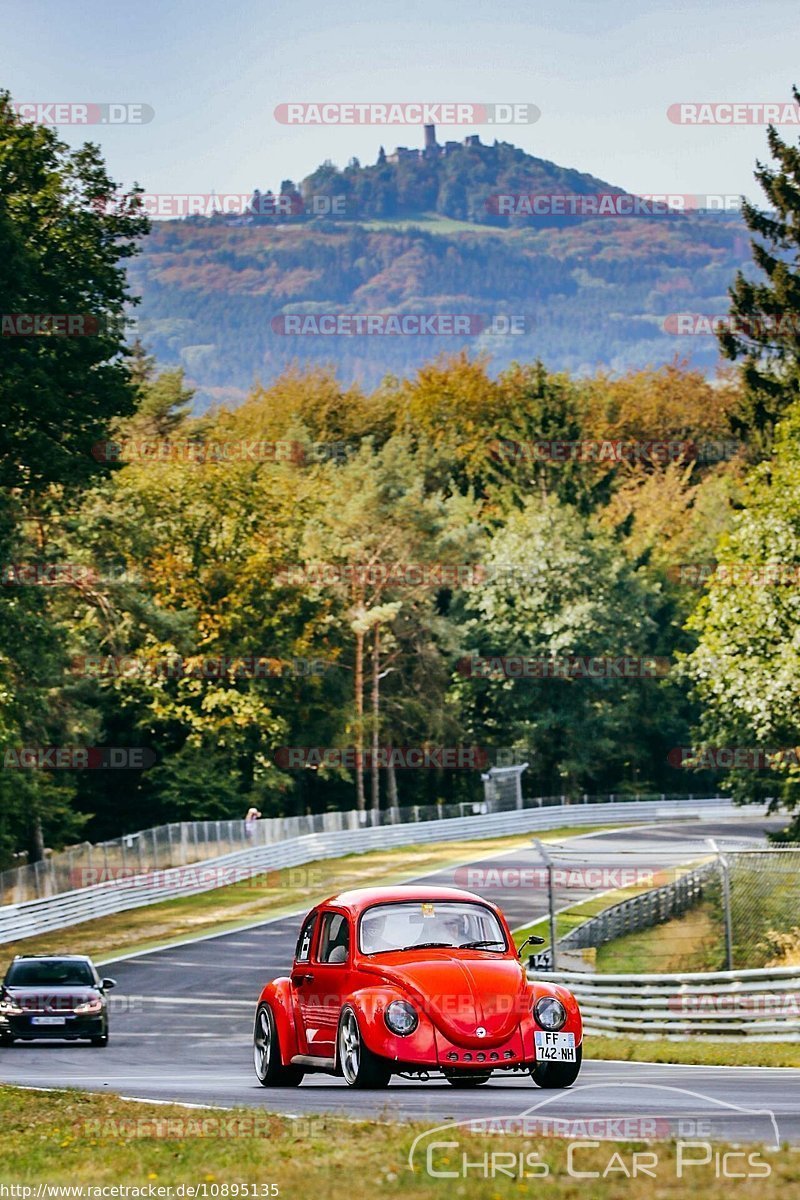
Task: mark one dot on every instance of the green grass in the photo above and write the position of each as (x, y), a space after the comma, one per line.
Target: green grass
(573, 915)
(694, 941)
(66, 1137)
(431, 222)
(731, 1052)
(273, 894)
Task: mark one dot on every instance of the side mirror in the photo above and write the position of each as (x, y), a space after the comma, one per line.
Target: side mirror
(108, 983)
(533, 940)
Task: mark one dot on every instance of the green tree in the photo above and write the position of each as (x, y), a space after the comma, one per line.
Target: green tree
(765, 332)
(559, 589)
(63, 233)
(746, 667)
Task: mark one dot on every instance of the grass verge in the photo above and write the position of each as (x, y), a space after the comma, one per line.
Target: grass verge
(575, 914)
(696, 1051)
(271, 894)
(103, 1141)
(692, 942)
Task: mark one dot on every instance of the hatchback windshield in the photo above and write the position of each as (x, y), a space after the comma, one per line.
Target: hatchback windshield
(417, 924)
(51, 972)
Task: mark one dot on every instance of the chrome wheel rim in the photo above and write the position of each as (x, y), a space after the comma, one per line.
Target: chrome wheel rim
(349, 1047)
(262, 1043)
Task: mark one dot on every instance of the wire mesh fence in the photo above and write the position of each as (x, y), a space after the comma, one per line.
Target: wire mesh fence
(674, 909)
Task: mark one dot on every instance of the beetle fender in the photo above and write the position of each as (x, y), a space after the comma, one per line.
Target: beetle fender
(369, 1005)
(278, 994)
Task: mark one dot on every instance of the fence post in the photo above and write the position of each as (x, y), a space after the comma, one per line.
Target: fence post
(726, 901)
(550, 905)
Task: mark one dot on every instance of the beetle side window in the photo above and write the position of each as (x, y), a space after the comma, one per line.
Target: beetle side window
(303, 948)
(334, 938)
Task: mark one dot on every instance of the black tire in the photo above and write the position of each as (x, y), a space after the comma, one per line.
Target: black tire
(100, 1039)
(359, 1066)
(557, 1075)
(467, 1081)
(6, 1039)
(267, 1060)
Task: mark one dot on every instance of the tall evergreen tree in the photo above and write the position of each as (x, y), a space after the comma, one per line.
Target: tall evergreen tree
(765, 331)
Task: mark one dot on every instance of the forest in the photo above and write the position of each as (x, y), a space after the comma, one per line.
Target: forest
(336, 595)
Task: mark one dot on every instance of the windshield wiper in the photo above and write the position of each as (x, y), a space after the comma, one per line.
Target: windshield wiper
(481, 942)
(429, 946)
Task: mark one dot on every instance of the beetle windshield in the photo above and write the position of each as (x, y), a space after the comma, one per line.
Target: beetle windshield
(409, 925)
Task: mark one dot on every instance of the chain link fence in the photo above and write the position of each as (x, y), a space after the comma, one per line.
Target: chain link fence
(730, 908)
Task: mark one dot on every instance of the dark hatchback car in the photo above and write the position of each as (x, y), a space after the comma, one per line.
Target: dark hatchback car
(53, 996)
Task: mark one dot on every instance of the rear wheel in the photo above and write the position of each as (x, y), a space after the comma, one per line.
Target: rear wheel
(360, 1067)
(467, 1081)
(557, 1075)
(267, 1053)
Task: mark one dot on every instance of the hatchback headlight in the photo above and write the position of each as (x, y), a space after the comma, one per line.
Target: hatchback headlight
(401, 1018)
(10, 1008)
(90, 1008)
(549, 1012)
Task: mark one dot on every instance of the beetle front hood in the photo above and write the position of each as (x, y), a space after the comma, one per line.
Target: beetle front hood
(465, 992)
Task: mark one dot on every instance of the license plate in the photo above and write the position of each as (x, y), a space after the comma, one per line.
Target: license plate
(555, 1047)
(48, 1020)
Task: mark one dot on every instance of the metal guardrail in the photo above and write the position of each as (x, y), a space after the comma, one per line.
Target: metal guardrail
(134, 891)
(643, 911)
(196, 841)
(762, 1003)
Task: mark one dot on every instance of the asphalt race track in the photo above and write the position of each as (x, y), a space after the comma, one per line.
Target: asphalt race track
(185, 1034)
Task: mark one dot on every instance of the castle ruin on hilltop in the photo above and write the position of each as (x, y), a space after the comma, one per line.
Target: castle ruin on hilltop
(431, 149)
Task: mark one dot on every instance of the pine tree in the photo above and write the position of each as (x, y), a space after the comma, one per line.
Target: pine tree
(765, 330)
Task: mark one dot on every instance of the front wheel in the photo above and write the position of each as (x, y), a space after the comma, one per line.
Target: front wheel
(100, 1039)
(267, 1053)
(6, 1039)
(360, 1067)
(557, 1075)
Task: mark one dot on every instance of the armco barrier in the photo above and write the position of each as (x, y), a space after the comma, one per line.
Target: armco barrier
(118, 895)
(186, 842)
(643, 911)
(761, 1003)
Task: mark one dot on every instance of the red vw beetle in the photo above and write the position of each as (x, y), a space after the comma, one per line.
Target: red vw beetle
(409, 981)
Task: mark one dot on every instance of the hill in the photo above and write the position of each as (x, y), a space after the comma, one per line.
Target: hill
(451, 233)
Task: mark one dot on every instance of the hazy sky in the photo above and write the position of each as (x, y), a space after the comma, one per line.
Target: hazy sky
(603, 73)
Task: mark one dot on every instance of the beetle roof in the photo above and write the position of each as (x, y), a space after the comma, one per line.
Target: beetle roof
(358, 899)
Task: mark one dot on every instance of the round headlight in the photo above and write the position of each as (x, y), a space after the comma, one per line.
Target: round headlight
(549, 1012)
(401, 1018)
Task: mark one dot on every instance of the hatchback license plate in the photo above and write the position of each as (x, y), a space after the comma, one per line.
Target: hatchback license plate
(48, 1020)
(555, 1047)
